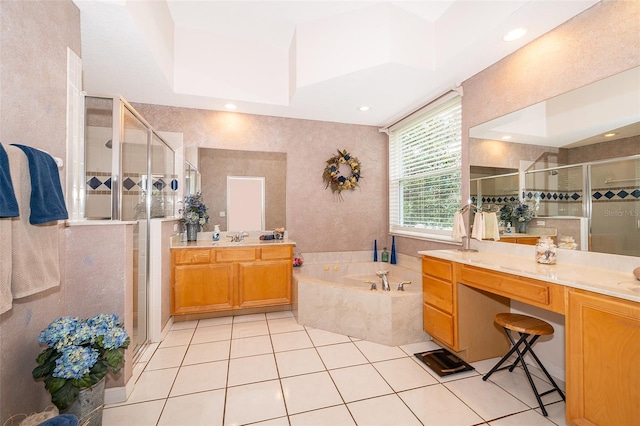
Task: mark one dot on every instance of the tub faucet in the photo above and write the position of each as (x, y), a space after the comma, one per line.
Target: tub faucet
(402, 284)
(385, 280)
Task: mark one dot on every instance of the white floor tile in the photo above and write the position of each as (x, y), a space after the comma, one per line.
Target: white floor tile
(207, 352)
(436, 405)
(302, 361)
(280, 421)
(484, 366)
(249, 318)
(251, 346)
(310, 392)
(252, 369)
(517, 384)
(148, 352)
(279, 314)
(167, 358)
(144, 413)
(183, 325)
(323, 338)
(291, 341)
(212, 334)
(177, 338)
(152, 385)
(359, 382)
(377, 352)
(210, 322)
(528, 418)
(341, 355)
(284, 325)
(200, 377)
(204, 408)
(556, 413)
(384, 410)
(332, 416)
(486, 398)
(249, 329)
(403, 374)
(253, 403)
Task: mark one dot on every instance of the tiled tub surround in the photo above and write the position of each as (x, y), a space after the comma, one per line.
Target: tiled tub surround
(333, 296)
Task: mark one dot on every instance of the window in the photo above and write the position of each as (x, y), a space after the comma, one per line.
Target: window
(425, 171)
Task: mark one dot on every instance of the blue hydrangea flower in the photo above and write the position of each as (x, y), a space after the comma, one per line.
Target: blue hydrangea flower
(75, 362)
(60, 333)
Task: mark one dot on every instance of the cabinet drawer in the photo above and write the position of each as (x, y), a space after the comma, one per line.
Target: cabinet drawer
(278, 252)
(514, 287)
(191, 256)
(438, 324)
(437, 268)
(235, 254)
(437, 293)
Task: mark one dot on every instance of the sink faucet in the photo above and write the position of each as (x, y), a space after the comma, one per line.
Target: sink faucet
(237, 237)
(385, 280)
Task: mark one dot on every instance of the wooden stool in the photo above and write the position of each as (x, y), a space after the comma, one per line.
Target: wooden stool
(526, 326)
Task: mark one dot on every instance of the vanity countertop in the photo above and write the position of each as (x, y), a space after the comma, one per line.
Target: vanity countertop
(604, 281)
(248, 242)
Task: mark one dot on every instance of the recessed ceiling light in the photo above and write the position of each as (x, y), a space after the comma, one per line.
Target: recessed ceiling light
(608, 135)
(230, 106)
(515, 34)
(506, 137)
(364, 108)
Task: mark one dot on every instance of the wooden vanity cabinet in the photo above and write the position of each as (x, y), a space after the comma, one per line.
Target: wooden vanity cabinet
(220, 279)
(438, 289)
(603, 359)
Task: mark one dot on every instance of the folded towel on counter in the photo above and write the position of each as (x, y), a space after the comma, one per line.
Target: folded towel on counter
(459, 230)
(478, 227)
(47, 201)
(8, 202)
(35, 264)
(491, 229)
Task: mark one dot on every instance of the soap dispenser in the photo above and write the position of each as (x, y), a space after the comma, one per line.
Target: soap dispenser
(216, 232)
(385, 255)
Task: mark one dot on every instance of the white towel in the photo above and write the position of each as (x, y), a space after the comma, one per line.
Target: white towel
(35, 264)
(6, 298)
(478, 227)
(459, 230)
(491, 229)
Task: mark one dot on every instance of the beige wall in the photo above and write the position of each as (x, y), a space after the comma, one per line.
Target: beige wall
(317, 220)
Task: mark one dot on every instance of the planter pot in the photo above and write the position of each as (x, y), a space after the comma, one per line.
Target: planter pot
(192, 231)
(522, 227)
(88, 407)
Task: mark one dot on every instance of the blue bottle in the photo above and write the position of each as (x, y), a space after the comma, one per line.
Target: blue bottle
(393, 250)
(375, 250)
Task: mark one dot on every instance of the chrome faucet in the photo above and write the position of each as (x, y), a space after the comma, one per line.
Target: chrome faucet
(385, 280)
(402, 284)
(237, 237)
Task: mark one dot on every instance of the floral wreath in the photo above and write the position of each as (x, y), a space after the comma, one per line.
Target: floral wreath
(332, 177)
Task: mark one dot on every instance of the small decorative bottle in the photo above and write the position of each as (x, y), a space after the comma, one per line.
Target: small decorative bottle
(385, 255)
(375, 250)
(393, 250)
(216, 232)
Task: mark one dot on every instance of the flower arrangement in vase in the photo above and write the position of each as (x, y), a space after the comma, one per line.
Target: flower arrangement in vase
(195, 211)
(79, 354)
(521, 215)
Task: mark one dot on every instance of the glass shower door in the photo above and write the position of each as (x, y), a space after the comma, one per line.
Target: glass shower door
(615, 207)
(134, 208)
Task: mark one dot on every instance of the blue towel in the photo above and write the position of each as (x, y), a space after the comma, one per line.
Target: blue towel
(8, 202)
(61, 420)
(47, 202)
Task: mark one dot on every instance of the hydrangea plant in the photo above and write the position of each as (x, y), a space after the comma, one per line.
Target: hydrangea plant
(79, 354)
(195, 211)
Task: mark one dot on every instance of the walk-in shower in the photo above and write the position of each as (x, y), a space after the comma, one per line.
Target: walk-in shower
(129, 175)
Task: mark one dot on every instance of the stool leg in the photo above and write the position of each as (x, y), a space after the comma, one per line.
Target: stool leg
(544, 370)
(514, 346)
(527, 348)
(526, 371)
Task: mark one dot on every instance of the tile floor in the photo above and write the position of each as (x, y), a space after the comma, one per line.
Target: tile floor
(265, 369)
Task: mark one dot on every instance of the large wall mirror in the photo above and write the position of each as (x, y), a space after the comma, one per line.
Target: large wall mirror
(577, 161)
(266, 169)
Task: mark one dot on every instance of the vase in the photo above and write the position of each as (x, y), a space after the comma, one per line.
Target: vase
(89, 404)
(192, 231)
(522, 227)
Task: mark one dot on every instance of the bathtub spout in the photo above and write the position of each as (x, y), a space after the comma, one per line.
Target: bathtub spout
(385, 280)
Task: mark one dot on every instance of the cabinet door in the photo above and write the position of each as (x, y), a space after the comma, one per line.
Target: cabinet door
(603, 346)
(264, 283)
(202, 288)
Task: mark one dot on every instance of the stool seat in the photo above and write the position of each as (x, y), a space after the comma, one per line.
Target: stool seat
(524, 324)
(529, 330)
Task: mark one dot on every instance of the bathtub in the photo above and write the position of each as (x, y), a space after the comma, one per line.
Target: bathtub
(334, 297)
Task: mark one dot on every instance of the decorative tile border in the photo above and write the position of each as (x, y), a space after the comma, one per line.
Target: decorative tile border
(99, 183)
